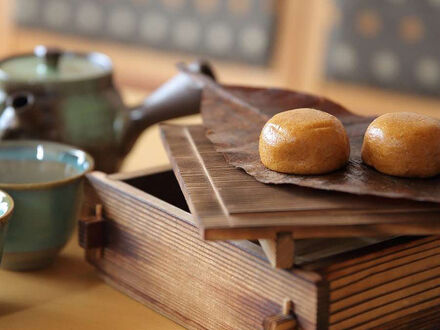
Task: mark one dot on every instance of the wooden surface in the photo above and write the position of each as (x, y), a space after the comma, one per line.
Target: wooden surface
(70, 294)
(229, 285)
(405, 281)
(5, 27)
(229, 204)
(158, 258)
(280, 251)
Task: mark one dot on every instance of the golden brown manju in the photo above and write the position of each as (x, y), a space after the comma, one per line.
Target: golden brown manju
(304, 141)
(403, 144)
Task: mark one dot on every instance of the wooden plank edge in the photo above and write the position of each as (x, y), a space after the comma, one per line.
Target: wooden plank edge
(280, 251)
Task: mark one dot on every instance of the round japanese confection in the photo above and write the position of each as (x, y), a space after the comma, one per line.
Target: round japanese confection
(304, 141)
(403, 144)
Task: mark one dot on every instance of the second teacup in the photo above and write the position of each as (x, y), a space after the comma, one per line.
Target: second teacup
(45, 180)
(6, 208)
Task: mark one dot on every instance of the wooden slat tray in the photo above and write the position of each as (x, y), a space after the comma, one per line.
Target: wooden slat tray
(229, 204)
(151, 249)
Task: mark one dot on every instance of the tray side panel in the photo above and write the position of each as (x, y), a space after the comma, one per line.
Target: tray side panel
(382, 289)
(158, 258)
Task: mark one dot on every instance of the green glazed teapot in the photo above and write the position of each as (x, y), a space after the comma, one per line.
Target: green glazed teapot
(71, 98)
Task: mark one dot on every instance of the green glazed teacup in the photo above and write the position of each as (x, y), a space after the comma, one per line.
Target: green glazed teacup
(6, 208)
(45, 180)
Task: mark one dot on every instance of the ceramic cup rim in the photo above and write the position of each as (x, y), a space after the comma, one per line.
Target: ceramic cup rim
(4, 217)
(52, 183)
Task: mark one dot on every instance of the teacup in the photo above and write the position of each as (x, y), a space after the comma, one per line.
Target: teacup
(45, 179)
(6, 208)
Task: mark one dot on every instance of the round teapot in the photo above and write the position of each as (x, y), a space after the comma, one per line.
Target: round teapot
(71, 98)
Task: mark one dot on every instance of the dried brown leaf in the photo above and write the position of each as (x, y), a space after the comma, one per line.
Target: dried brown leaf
(234, 117)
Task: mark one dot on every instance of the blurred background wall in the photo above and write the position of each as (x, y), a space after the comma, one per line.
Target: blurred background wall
(372, 56)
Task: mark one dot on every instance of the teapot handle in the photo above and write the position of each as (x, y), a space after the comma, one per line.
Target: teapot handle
(180, 96)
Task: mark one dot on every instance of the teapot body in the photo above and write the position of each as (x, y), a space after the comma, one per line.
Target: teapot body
(70, 97)
(90, 116)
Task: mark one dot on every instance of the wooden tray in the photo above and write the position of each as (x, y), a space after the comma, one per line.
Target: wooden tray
(229, 204)
(147, 245)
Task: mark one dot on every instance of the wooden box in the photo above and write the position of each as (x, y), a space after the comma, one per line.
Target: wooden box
(147, 245)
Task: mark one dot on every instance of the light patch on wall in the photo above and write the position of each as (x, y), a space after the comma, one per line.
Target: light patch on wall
(121, 21)
(219, 38)
(385, 65)
(26, 10)
(153, 26)
(57, 13)
(427, 72)
(343, 58)
(89, 17)
(187, 34)
(253, 41)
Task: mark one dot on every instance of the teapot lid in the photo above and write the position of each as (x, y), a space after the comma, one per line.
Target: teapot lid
(53, 65)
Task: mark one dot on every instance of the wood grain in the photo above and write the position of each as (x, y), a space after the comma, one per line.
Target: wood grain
(155, 255)
(280, 322)
(144, 231)
(280, 251)
(385, 286)
(229, 204)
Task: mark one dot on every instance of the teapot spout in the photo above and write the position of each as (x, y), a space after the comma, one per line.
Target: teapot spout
(180, 96)
(13, 118)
